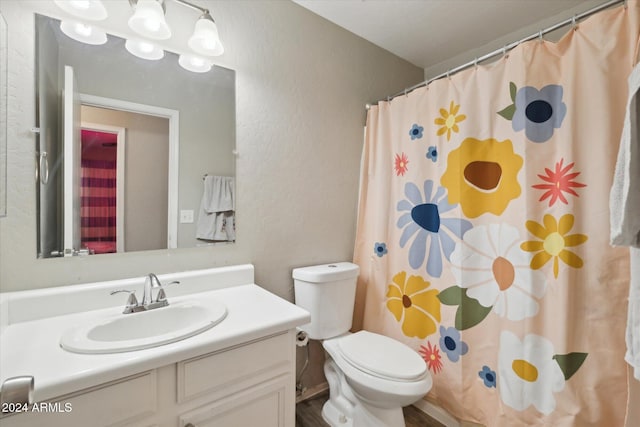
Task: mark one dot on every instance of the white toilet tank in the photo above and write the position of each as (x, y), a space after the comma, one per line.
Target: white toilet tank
(328, 292)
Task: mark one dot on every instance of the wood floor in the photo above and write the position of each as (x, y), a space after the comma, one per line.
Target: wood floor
(309, 414)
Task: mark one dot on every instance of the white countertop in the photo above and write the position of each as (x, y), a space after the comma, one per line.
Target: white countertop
(33, 347)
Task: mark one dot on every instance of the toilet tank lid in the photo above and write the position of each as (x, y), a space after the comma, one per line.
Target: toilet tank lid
(326, 272)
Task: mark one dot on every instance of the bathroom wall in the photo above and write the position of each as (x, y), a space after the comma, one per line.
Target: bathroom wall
(301, 87)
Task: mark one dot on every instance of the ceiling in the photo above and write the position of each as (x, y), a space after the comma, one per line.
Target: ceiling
(428, 33)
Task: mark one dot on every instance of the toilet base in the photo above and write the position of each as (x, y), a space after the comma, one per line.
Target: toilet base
(334, 416)
(345, 409)
(362, 416)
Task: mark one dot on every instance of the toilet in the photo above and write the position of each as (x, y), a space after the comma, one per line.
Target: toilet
(371, 376)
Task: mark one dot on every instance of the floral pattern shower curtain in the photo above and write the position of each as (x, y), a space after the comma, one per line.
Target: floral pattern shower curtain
(483, 230)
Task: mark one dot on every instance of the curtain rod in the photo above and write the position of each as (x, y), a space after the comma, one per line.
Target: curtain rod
(502, 51)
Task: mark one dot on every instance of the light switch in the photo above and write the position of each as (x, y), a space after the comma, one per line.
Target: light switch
(186, 216)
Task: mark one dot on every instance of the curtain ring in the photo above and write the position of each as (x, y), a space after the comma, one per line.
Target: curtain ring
(540, 37)
(625, 4)
(475, 62)
(448, 74)
(504, 52)
(405, 91)
(574, 24)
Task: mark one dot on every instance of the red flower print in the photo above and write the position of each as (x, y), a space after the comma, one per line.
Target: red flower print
(401, 164)
(431, 355)
(558, 182)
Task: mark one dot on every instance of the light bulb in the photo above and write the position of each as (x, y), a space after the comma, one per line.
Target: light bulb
(80, 4)
(92, 10)
(83, 29)
(152, 24)
(148, 20)
(83, 32)
(205, 39)
(195, 63)
(143, 49)
(209, 44)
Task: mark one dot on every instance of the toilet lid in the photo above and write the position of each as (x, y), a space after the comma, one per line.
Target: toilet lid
(381, 356)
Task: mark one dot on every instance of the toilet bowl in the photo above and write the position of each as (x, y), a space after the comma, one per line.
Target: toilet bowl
(371, 376)
(379, 375)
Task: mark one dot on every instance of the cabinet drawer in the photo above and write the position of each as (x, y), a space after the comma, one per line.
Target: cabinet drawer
(233, 369)
(263, 405)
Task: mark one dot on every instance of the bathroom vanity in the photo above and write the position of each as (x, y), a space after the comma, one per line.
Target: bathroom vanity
(239, 372)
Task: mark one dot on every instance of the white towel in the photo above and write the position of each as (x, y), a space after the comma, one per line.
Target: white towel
(624, 206)
(624, 201)
(633, 319)
(216, 218)
(218, 194)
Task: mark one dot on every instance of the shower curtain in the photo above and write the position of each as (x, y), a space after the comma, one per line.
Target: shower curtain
(483, 230)
(98, 205)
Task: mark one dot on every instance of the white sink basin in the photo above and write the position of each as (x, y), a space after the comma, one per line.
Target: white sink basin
(137, 331)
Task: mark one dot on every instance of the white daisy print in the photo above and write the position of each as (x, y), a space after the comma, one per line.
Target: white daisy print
(495, 271)
(527, 373)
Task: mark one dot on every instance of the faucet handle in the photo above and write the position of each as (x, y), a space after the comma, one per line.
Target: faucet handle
(132, 301)
(161, 294)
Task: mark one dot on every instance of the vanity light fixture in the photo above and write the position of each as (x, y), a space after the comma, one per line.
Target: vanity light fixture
(195, 63)
(92, 10)
(144, 49)
(83, 32)
(148, 19)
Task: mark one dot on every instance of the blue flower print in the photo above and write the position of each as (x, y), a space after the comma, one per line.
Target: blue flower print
(423, 218)
(416, 132)
(488, 376)
(380, 249)
(432, 153)
(538, 112)
(451, 344)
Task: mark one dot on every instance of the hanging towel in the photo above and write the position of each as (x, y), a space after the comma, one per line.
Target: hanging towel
(633, 319)
(216, 219)
(624, 202)
(624, 206)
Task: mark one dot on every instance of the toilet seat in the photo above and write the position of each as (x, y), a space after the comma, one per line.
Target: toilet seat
(381, 357)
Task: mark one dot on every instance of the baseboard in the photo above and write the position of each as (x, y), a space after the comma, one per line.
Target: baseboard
(312, 392)
(437, 413)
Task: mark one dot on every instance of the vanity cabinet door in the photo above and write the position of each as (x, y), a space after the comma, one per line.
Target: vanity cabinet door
(263, 405)
(119, 403)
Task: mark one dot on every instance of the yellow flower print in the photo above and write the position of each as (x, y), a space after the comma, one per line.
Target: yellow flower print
(417, 308)
(553, 242)
(449, 121)
(482, 175)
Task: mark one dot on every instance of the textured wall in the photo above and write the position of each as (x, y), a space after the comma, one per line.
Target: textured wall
(302, 83)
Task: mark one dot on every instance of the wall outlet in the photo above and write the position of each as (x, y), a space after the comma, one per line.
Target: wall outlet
(186, 216)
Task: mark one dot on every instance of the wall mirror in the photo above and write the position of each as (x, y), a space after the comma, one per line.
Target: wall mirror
(126, 147)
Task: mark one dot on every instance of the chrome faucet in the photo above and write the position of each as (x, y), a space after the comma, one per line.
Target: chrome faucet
(148, 302)
(150, 283)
